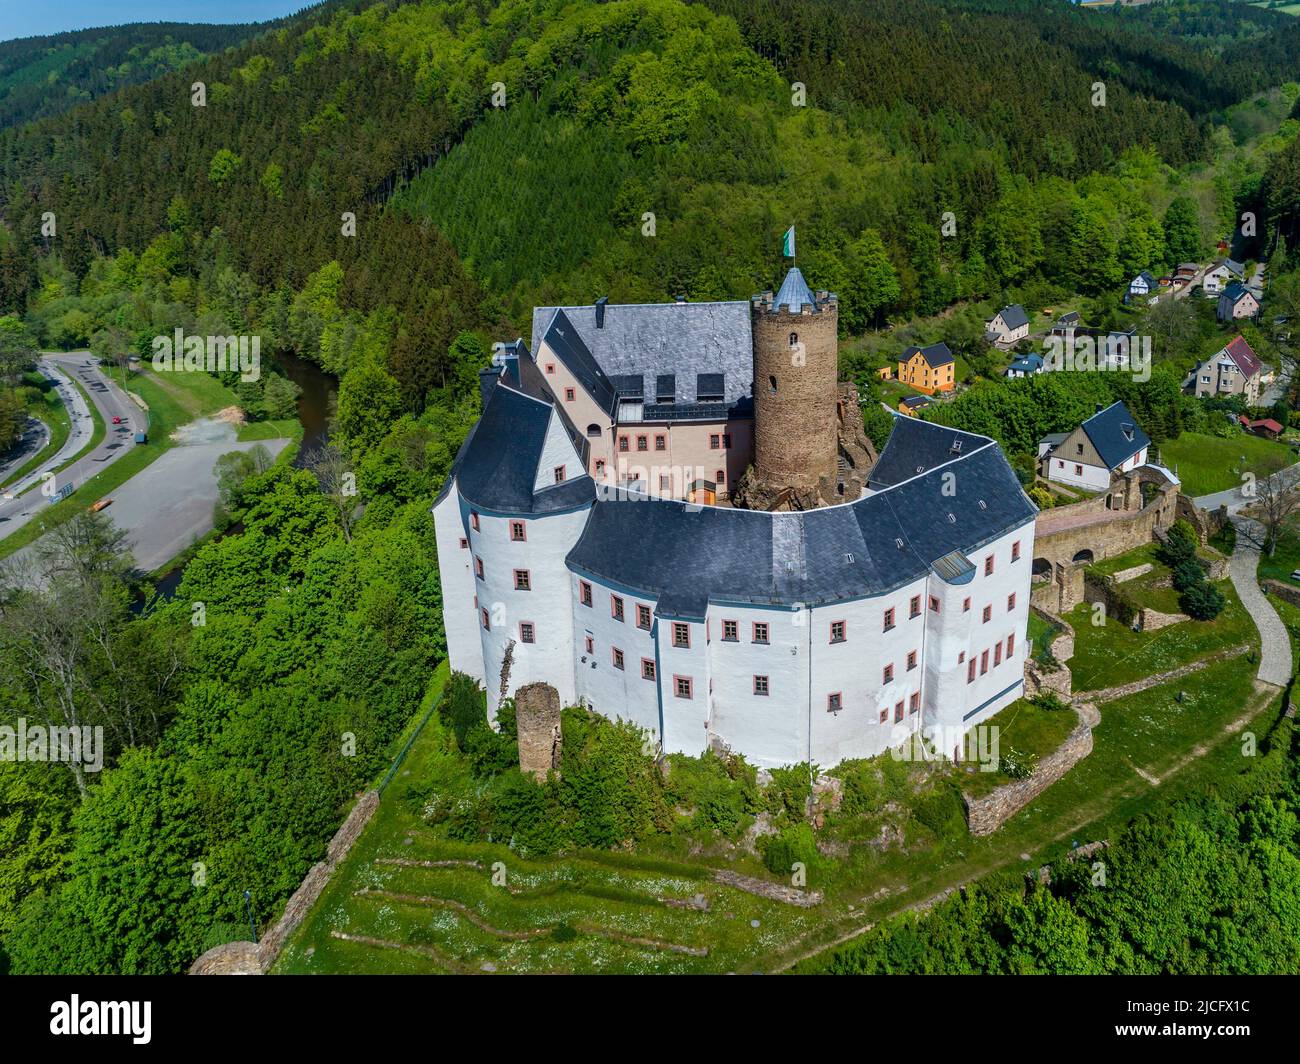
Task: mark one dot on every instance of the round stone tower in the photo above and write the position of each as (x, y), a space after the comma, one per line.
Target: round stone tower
(795, 373)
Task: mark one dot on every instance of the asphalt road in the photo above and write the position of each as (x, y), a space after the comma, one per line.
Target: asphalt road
(110, 400)
(1233, 499)
(35, 438)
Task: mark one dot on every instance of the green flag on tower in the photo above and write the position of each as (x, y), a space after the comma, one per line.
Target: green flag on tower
(787, 243)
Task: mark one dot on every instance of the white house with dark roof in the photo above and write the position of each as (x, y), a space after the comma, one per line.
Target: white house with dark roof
(815, 635)
(1009, 325)
(1142, 286)
(1234, 369)
(1221, 273)
(1109, 442)
(1237, 302)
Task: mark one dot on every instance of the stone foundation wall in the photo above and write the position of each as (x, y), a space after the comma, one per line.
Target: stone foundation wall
(1150, 620)
(1286, 592)
(1125, 575)
(985, 815)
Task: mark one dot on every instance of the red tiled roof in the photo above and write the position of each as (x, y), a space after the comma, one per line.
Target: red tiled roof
(1246, 359)
(1266, 423)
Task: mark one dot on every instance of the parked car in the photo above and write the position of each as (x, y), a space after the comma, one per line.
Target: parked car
(1295, 575)
(117, 421)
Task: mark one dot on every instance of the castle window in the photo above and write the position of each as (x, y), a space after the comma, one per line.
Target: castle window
(661, 443)
(1078, 470)
(584, 592)
(997, 654)
(464, 543)
(590, 644)
(760, 685)
(681, 635)
(600, 467)
(1011, 644)
(1011, 602)
(1015, 551)
(715, 442)
(834, 702)
(526, 631)
(911, 660)
(934, 604)
(487, 621)
(884, 716)
(898, 711)
(617, 655)
(914, 608)
(914, 703)
(643, 617)
(559, 474)
(771, 384)
(889, 619)
(647, 669)
(517, 531)
(760, 632)
(523, 581)
(622, 443)
(965, 605)
(794, 339)
(569, 395)
(984, 662)
(720, 477)
(593, 431)
(550, 368)
(730, 631)
(887, 674)
(682, 687)
(473, 520)
(961, 657)
(478, 568)
(665, 482)
(988, 614)
(642, 443)
(837, 631)
(988, 565)
(616, 607)
(970, 671)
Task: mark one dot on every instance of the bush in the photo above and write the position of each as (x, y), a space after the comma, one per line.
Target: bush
(791, 788)
(1202, 601)
(463, 705)
(1016, 765)
(1180, 545)
(941, 811)
(1050, 701)
(792, 844)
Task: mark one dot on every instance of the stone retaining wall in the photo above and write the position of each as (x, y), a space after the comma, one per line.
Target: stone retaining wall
(1286, 592)
(218, 961)
(986, 814)
(1124, 575)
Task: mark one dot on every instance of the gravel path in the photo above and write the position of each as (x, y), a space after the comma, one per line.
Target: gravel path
(1275, 657)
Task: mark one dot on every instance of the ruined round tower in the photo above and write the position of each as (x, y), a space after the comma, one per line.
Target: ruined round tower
(795, 373)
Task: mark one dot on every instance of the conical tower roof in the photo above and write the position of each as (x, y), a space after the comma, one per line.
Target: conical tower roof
(794, 292)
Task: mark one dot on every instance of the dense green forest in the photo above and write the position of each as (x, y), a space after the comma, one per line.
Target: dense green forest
(347, 188)
(44, 76)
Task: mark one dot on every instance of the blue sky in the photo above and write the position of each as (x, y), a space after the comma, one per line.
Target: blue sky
(31, 18)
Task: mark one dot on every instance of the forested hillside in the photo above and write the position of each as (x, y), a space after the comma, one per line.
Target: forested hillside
(44, 76)
(385, 188)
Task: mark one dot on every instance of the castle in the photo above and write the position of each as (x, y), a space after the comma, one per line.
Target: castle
(670, 514)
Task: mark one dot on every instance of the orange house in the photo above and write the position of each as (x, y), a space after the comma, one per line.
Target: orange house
(927, 369)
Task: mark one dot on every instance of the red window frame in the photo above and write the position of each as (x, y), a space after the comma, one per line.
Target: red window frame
(1015, 551)
(884, 716)
(730, 631)
(584, 592)
(526, 584)
(616, 607)
(914, 607)
(1011, 644)
(987, 615)
(550, 368)
(559, 474)
(970, 671)
(661, 442)
(997, 654)
(643, 443)
(464, 543)
(887, 673)
(834, 701)
(720, 477)
(934, 604)
(647, 669)
(569, 395)
(473, 520)
(842, 636)
(911, 660)
(889, 619)
(623, 443)
(761, 686)
(683, 686)
(527, 632)
(478, 568)
(643, 616)
(715, 442)
(984, 662)
(616, 656)
(681, 635)
(591, 645)
(754, 637)
(914, 703)
(965, 605)
(518, 532)
(1011, 602)
(600, 465)
(898, 711)
(988, 565)
(487, 620)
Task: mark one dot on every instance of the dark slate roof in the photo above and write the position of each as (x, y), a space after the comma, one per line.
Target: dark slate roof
(936, 354)
(711, 385)
(566, 341)
(1028, 364)
(1116, 434)
(1235, 292)
(916, 446)
(684, 339)
(1145, 275)
(686, 556)
(497, 467)
(1014, 316)
(915, 402)
(794, 293)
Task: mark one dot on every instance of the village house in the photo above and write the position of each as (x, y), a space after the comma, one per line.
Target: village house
(1008, 325)
(1237, 302)
(1141, 287)
(1232, 370)
(913, 404)
(1221, 274)
(1109, 442)
(1026, 366)
(927, 369)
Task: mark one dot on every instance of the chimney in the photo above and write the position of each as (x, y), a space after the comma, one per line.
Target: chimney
(1099, 409)
(601, 303)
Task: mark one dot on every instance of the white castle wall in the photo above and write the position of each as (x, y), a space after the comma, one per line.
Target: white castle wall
(622, 695)
(456, 576)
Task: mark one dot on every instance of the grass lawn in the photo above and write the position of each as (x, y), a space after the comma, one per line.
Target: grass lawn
(1041, 634)
(1112, 654)
(1206, 464)
(1285, 559)
(48, 408)
(1026, 729)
